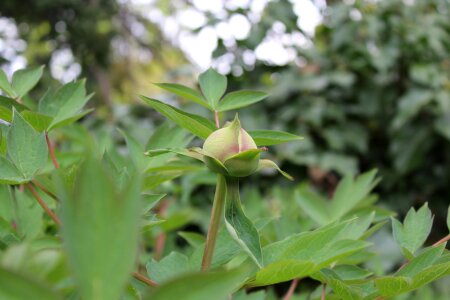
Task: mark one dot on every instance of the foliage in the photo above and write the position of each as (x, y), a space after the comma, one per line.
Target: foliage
(109, 199)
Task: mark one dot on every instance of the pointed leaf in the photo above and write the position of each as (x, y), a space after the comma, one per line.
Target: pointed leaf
(24, 80)
(171, 266)
(267, 163)
(184, 92)
(415, 229)
(200, 286)
(272, 137)
(100, 229)
(240, 99)
(239, 226)
(9, 174)
(28, 159)
(5, 86)
(15, 286)
(213, 86)
(197, 125)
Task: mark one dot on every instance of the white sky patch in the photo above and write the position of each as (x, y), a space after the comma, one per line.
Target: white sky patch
(191, 18)
(214, 6)
(308, 15)
(63, 66)
(199, 47)
(240, 26)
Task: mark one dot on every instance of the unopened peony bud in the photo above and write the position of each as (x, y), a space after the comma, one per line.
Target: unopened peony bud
(234, 148)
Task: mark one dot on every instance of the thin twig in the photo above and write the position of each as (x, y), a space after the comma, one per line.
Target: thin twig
(216, 117)
(441, 241)
(43, 204)
(291, 290)
(144, 279)
(161, 238)
(45, 190)
(324, 291)
(51, 151)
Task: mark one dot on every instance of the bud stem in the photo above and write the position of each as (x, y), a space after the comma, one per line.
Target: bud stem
(216, 216)
(216, 117)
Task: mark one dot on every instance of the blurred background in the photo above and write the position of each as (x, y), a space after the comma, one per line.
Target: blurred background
(366, 82)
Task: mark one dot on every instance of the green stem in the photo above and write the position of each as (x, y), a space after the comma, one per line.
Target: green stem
(216, 216)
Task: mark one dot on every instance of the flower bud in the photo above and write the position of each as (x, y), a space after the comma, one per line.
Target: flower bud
(234, 148)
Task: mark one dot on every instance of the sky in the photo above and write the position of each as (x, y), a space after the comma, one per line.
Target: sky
(277, 48)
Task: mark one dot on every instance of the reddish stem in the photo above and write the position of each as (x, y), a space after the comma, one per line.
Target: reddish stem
(51, 151)
(161, 239)
(441, 241)
(43, 204)
(216, 117)
(144, 279)
(291, 290)
(324, 291)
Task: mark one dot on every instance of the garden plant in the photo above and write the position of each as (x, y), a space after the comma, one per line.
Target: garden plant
(89, 212)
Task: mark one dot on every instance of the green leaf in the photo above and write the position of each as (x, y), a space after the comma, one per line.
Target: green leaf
(272, 137)
(197, 125)
(20, 138)
(10, 103)
(213, 86)
(448, 218)
(342, 289)
(5, 85)
(24, 80)
(66, 103)
(100, 229)
(171, 266)
(240, 99)
(313, 204)
(9, 174)
(350, 192)
(391, 286)
(184, 92)
(267, 163)
(239, 226)
(201, 286)
(351, 272)
(421, 262)
(282, 270)
(15, 286)
(39, 121)
(415, 229)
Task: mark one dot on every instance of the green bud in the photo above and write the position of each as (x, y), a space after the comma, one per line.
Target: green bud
(234, 148)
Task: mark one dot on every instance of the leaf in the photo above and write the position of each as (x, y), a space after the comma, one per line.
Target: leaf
(239, 226)
(213, 86)
(448, 218)
(272, 137)
(24, 80)
(100, 229)
(351, 272)
(39, 121)
(184, 92)
(194, 239)
(282, 270)
(267, 163)
(171, 266)
(200, 286)
(21, 136)
(15, 286)
(313, 204)
(65, 105)
(5, 85)
(391, 286)
(342, 289)
(9, 174)
(421, 262)
(415, 229)
(240, 99)
(197, 125)
(350, 192)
